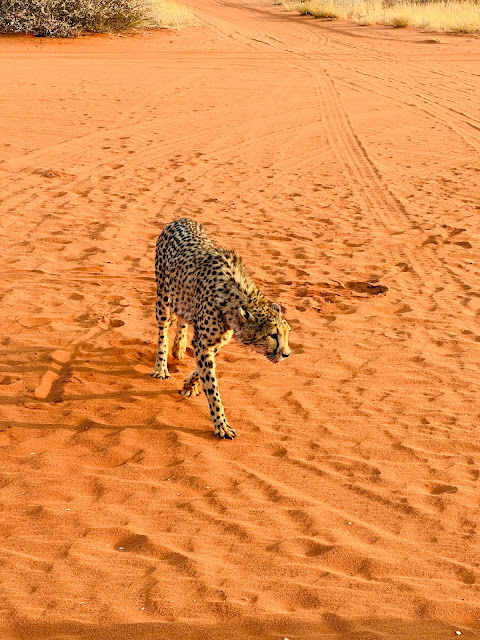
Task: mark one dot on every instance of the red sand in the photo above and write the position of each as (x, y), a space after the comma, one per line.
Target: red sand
(330, 156)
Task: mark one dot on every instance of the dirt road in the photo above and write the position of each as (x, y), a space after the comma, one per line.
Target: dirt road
(342, 163)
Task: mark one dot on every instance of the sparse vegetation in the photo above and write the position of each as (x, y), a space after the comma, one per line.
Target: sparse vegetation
(449, 16)
(67, 18)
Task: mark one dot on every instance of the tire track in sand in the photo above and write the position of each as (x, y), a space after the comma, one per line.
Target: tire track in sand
(382, 204)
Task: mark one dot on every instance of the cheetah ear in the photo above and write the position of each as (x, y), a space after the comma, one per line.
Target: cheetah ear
(246, 315)
(276, 307)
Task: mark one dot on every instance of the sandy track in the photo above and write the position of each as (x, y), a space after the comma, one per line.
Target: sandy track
(341, 162)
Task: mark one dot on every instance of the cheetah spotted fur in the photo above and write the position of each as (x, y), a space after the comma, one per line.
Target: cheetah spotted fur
(211, 289)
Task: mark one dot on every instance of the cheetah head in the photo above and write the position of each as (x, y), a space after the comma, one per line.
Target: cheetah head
(266, 330)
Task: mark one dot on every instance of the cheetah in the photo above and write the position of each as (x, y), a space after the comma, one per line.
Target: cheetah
(210, 288)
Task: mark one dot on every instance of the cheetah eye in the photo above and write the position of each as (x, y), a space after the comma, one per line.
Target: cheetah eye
(274, 336)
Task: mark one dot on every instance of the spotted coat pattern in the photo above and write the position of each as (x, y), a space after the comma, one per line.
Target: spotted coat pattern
(211, 289)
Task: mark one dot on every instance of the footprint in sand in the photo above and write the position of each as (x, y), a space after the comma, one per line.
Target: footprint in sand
(315, 549)
(440, 489)
(134, 542)
(465, 576)
(29, 323)
(51, 173)
(366, 287)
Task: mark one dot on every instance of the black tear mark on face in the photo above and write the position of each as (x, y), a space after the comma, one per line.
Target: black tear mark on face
(274, 336)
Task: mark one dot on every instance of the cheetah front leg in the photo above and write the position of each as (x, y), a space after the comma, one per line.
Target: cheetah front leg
(206, 368)
(164, 318)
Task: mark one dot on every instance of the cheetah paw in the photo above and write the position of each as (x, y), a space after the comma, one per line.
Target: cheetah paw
(225, 432)
(159, 374)
(190, 390)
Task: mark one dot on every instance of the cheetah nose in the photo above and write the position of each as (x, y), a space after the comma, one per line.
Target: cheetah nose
(286, 355)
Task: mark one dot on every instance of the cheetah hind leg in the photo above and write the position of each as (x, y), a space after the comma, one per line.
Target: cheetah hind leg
(180, 342)
(164, 318)
(191, 385)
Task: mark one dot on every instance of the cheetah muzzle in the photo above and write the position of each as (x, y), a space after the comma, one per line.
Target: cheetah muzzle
(210, 288)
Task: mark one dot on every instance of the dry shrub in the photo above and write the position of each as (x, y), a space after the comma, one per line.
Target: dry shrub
(66, 18)
(448, 16)
(399, 22)
(319, 9)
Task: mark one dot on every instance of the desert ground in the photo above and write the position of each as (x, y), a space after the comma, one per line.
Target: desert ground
(342, 163)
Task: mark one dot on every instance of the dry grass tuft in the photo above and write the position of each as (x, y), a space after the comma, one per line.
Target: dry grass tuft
(452, 16)
(319, 9)
(67, 18)
(400, 22)
(173, 15)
